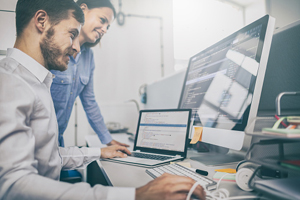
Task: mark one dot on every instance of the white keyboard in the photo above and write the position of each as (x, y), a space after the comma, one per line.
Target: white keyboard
(176, 169)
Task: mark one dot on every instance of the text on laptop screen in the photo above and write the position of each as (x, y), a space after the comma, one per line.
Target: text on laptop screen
(163, 130)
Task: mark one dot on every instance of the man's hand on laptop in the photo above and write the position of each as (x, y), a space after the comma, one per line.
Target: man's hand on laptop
(168, 186)
(114, 151)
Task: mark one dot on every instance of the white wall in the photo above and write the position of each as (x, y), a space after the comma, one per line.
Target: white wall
(7, 24)
(255, 11)
(285, 12)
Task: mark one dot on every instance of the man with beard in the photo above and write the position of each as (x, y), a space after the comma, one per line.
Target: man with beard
(31, 161)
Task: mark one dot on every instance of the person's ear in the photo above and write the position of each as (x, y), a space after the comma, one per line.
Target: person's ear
(84, 7)
(40, 19)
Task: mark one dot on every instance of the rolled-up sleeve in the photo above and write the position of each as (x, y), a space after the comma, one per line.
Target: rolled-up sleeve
(74, 157)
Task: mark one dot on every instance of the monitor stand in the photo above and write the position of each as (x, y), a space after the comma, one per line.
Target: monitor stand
(213, 155)
(214, 159)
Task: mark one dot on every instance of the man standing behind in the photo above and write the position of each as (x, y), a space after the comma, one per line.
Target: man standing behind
(30, 159)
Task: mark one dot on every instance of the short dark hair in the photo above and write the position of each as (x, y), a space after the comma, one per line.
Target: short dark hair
(57, 11)
(96, 4)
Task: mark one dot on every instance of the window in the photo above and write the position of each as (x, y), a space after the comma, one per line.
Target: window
(197, 24)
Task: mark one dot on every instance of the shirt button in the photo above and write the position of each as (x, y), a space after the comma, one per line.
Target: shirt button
(71, 92)
(62, 81)
(73, 79)
(69, 108)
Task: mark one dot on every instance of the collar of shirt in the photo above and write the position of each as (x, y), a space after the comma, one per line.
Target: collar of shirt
(39, 71)
(82, 49)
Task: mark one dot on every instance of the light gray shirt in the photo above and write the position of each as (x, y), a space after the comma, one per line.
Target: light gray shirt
(30, 159)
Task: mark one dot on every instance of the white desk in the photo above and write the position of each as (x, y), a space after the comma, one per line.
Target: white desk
(132, 176)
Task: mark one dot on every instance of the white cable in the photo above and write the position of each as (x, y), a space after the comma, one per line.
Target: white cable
(244, 197)
(215, 195)
(221, 180)
(218, 194)
(192, 190)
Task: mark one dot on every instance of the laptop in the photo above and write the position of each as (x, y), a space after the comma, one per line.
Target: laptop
(161, 137)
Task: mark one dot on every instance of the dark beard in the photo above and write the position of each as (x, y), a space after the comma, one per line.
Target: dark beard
(51, 52)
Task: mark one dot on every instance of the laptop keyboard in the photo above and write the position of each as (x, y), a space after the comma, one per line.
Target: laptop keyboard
(150, 156)
(176, 169)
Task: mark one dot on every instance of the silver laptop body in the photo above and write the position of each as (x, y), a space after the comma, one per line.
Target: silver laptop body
(160, 133)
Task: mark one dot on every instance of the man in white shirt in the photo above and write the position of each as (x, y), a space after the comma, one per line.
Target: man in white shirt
(30, 159)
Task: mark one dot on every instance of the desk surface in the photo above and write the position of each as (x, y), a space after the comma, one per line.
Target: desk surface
(122, 175)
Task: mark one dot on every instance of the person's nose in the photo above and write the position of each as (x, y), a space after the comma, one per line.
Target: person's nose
(76, 45)
(104, 29)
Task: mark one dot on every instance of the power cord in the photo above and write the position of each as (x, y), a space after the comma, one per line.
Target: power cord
(218, 184)
(216, 195)
(219, 194)
(192, 190)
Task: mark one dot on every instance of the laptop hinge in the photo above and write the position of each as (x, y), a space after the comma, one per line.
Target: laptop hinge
(178, 156)
(137, 150)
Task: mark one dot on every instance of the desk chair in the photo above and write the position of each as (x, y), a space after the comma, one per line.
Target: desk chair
(70, 176)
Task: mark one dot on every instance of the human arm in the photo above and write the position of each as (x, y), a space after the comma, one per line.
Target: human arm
(114, 142)
(89, 102)
(74, 157)
(114, 151)
(21, 176)
(169, 187)
(165, 187)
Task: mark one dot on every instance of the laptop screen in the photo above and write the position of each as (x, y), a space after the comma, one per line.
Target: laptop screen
(163, 129)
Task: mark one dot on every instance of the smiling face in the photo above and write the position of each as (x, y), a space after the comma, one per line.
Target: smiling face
(97, 22)
(59, 42)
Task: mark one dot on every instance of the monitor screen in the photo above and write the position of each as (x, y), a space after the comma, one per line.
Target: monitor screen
(163, 129)
(220, 80)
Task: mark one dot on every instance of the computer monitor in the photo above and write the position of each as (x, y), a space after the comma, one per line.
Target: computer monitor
(223, 85)
(282, 72)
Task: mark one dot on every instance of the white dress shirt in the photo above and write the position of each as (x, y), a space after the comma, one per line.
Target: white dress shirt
(30, 159)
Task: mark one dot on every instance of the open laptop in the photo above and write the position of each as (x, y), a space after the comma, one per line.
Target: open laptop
(161, 137)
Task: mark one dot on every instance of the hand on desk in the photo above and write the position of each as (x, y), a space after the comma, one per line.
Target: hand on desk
(114, 151)
(114, 142)
(168, 186)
